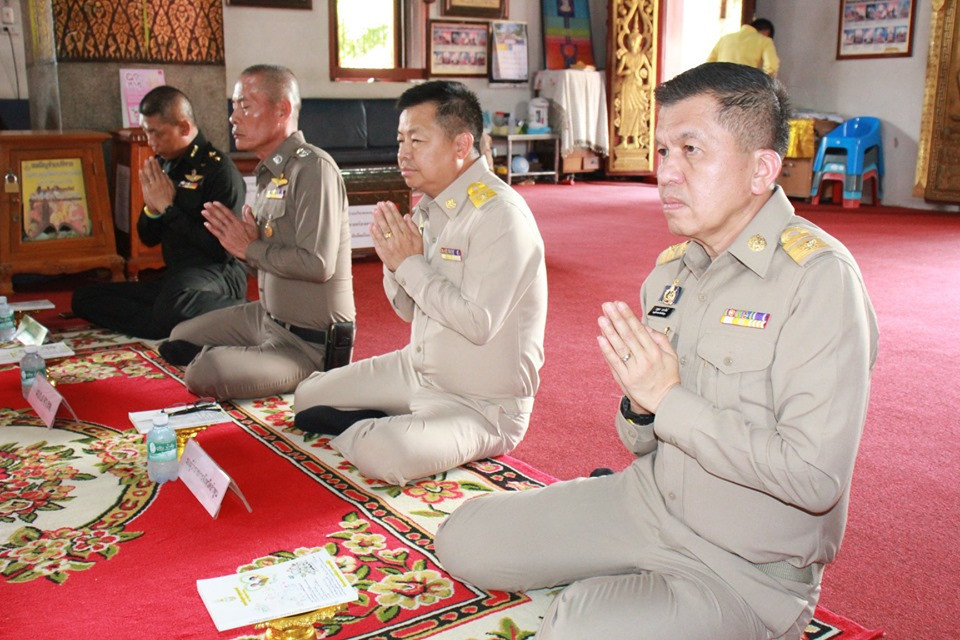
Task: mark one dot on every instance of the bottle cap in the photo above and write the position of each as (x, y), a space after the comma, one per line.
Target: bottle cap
(160, 419)
(3, 299)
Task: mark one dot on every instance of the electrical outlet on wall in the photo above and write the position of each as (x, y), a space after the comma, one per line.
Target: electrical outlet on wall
(7, 15)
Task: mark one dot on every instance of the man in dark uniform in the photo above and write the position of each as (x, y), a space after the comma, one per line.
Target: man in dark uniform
(200, 275)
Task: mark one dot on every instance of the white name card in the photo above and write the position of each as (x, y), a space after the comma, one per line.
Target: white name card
(46, 401)
(206, 480)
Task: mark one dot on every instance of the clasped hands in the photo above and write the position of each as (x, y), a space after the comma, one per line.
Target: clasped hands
(642, 360)
(235, 234)
(395, 237)
(157, 187)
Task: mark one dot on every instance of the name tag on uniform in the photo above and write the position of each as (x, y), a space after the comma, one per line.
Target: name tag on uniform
(451, 254)
(661, 311)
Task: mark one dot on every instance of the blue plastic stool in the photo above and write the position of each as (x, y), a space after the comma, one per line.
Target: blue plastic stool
(853, 151)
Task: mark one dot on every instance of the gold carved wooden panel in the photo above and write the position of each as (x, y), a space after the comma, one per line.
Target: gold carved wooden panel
(631, 78)
(938, 157)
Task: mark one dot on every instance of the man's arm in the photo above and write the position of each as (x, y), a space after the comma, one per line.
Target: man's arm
(320, 202)
(818, 386)
(505, 256)
(771, 62)
(222, 182)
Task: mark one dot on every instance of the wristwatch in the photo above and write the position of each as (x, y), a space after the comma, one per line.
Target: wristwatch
(641, 419)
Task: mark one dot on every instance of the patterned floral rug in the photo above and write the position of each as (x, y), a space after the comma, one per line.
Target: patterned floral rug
(85, 532)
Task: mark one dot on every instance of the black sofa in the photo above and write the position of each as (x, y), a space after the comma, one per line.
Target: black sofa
(357, 132)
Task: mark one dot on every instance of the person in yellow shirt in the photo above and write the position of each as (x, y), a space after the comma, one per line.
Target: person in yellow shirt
(752, 46)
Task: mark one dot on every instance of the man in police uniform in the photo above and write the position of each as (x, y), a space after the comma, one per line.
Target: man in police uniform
(745, 384)
(200, 276)
(299, 243)
(474, 288)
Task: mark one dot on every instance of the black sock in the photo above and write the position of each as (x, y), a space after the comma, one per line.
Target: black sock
(601, 471)
(179, 352)
(330, 421)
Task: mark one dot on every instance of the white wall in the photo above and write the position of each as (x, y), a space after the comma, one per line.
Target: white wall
(888, 88)
(298, 39)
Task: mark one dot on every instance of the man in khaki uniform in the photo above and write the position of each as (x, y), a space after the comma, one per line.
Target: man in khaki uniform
(298, 240)
(474, 288)
(745, 381)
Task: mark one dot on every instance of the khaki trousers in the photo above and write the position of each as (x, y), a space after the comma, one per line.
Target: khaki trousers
(427, 430)
(605, 537)
(245, 354)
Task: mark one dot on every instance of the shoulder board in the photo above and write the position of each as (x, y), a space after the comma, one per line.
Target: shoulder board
(480, 193)
(214, 155)
(800, 244)
(672, 252)
(303, 152)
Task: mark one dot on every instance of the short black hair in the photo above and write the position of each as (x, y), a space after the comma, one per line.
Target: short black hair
(753, 106)
(458, 108)
(762, 24)
(169, 103)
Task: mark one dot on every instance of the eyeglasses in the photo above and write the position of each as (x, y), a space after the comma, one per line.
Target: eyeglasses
(203, 404)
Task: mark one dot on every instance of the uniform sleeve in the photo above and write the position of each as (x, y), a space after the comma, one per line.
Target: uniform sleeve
(817, 385)
(320, 205)
(771, 62)
(505, 255)
(402, 303)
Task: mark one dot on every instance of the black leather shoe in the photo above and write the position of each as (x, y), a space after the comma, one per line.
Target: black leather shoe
(179, 352)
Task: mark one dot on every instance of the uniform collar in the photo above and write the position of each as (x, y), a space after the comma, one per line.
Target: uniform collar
(191, 156)
(275, 162)
(756, 244)
(453, 199)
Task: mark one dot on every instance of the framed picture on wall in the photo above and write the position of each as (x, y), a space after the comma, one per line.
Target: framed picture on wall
(495, 9)
(457, 48)
(878, 29)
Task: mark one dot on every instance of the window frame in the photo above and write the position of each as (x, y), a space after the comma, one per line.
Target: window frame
(400, 73)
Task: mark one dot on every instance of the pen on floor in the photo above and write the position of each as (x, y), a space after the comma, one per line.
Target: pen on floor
(192, 408)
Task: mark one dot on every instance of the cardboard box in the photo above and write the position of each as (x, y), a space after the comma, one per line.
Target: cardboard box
(580, 160)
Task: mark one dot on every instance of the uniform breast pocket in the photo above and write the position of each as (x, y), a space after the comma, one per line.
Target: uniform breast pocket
(735, 369)
(270, 217)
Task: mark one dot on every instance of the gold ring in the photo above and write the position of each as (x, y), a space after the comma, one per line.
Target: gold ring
(388, 234)
(626, 357)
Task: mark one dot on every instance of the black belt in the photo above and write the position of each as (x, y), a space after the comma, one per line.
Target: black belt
(317, 336)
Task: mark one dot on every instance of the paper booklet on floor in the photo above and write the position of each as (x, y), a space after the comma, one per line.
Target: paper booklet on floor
(143, 420)
(12, 355)
(303, 584)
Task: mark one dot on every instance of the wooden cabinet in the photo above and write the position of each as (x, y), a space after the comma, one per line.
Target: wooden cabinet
(55, 209)
(130, 151)
(796, 177)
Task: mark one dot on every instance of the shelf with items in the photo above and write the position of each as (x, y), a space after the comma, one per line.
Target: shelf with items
(549, 140)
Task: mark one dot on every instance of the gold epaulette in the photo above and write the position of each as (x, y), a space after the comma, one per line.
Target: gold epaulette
(480, 193)
(800, 244)
(672, 252)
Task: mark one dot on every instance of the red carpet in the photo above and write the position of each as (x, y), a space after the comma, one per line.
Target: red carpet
(898, 565)
(84, 532)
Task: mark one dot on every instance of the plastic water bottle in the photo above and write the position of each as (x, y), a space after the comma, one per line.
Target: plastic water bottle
(8, 326)
(32, 365)
(162, 463)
